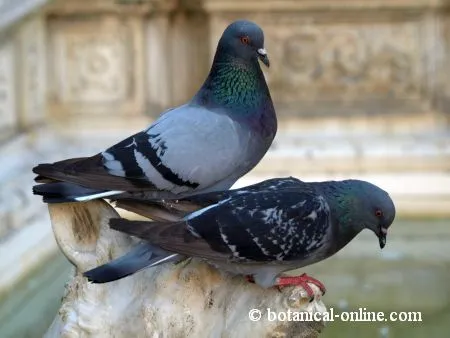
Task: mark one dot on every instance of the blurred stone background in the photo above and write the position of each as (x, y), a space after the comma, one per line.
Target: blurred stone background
(361, 88)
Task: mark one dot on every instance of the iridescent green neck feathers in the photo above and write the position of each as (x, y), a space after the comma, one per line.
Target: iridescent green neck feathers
(239, 86)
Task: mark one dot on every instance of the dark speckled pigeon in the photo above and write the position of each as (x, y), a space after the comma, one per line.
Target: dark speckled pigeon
(265, 229)
(204, 145)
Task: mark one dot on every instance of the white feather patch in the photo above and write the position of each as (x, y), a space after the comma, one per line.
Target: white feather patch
(114, 167)
(99, 195)
(199, 212)
(153, 175)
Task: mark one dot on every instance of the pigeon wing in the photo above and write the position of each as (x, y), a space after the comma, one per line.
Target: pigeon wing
(277, 225)
(264, 226)
(187, 148)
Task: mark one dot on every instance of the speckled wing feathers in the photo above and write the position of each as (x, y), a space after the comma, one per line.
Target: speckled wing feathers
(270, 226)
(282, 225)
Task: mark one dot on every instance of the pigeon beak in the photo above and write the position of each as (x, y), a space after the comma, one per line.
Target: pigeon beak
(382, 237)
(262, 55)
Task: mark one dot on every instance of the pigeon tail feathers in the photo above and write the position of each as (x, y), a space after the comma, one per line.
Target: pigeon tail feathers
(147, 230)
(62, 192)
(141, 257)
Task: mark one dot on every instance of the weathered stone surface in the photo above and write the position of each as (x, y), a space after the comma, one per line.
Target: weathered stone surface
(97, 65)
(157, 66)
(8, 117)
(190, 61)
(33, 71)
(347, 62)
(124, 7)
(320, 5)
(329, 59)
(188, 299)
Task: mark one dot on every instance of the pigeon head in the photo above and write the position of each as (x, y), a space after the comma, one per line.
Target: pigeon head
(243, 40)
(369, 207)
(236, 82)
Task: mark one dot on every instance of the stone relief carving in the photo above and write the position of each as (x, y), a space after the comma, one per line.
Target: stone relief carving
(348, 54)
(313, 60)
(96, 66)
(393, 67)
(300, 58)
(343, 62)
(300, 53)
(297, 64)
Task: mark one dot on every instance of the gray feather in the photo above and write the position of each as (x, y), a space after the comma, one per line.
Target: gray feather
(141, 257)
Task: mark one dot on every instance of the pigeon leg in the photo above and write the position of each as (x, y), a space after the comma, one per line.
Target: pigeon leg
(250, 278)
(303, 281)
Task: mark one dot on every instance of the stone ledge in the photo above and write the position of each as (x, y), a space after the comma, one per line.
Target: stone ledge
(134, 7)
(357, 153)
(320, 5)
(425, 194)
(329, 165)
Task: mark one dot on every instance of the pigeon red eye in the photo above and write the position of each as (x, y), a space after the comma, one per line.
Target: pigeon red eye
(378, 213)
(245, 40)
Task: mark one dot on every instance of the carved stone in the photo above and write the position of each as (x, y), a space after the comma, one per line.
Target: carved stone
(33, 71)
(189, 299)
(8, 117)
(343, 62)
(328, 58)
(190, 61)
(158, 72)
(97, 65)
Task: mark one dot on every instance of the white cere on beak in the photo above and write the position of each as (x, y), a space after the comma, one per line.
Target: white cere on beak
(262, 51)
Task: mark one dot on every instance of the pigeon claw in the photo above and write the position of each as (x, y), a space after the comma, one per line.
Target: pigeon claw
(303, 280)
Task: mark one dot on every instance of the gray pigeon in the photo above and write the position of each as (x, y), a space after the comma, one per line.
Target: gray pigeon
(263, 230)
(204, 145)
